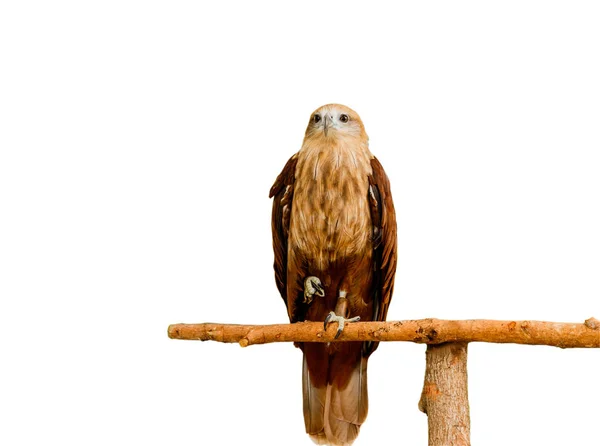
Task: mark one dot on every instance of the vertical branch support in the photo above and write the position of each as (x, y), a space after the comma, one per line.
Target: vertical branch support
(445, 398)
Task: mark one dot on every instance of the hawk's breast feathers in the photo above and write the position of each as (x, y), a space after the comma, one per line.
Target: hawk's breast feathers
(329, 207)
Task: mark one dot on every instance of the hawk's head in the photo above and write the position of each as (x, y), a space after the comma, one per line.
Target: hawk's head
(335, 121)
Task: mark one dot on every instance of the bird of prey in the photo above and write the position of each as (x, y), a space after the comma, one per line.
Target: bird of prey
(334, 239)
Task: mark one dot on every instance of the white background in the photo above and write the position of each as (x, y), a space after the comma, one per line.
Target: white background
(138, 144)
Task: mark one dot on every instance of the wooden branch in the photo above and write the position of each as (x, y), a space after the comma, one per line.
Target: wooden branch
(445, 398)
(426, 331)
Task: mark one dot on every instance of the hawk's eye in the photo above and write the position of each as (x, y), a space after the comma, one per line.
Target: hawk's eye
(316, 118)
(344, 118)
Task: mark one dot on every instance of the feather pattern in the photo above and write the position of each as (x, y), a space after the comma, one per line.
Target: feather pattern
(282, 192)
(383, 216)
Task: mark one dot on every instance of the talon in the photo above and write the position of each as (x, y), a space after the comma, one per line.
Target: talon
(339, 330)
(320, 290)
(327, 320)
(332, 317)
(312, 286)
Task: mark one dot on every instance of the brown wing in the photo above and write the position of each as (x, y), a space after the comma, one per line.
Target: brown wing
(282, 193)
(383, 217)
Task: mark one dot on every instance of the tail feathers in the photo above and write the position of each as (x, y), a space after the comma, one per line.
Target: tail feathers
(346, 408)
(314, 399)
(319, 438)
(333, 415)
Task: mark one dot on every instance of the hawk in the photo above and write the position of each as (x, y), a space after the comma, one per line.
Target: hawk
(334, 239)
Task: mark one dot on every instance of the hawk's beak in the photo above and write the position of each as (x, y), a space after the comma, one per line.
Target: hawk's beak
(325, 125)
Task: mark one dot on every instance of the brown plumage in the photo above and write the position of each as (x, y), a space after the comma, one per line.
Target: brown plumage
(333, 218)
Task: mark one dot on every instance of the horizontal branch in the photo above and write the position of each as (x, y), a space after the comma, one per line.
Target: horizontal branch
(425, 331)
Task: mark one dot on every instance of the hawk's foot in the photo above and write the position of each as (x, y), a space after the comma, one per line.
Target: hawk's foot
(332, 317)
(312, 286)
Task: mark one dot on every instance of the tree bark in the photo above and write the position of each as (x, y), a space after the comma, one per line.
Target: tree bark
(445, 397)
(426, 331)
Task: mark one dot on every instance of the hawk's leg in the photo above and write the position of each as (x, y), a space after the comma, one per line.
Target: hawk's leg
(312, 286)
(340, 308)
